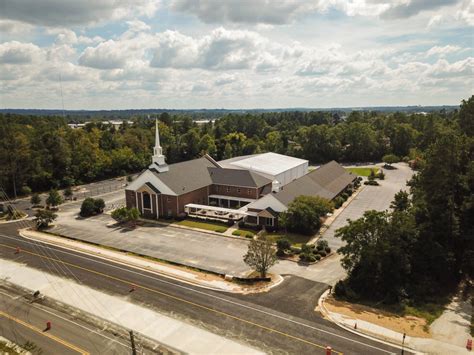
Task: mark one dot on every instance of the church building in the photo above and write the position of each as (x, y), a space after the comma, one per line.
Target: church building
(232, 189)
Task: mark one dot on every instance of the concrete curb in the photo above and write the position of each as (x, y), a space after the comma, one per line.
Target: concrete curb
(326, 314)
(136, 266)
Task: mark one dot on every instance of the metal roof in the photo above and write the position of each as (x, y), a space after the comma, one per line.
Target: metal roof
(267, 163)
(237, 177)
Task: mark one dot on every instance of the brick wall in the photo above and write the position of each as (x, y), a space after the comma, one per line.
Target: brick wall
(234, 191)
(199, 196)
(130, 199)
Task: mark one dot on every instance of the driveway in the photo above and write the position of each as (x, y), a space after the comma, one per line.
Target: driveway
(370, 198)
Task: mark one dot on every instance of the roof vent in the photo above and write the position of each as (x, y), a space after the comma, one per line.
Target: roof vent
(276, 186)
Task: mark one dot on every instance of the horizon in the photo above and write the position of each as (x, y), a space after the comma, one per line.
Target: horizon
(249, 55)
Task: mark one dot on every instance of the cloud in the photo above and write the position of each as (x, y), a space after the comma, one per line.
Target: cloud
(411, 8)
(107, 55)
(442, 50)
(466, 12)
(220, 50)
(275, 12)
(18, 53)
(56, 13)
(14, 27)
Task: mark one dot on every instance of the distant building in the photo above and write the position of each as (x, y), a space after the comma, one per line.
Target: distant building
(255, 188)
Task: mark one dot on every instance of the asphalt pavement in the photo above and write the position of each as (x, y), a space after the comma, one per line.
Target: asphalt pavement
(25, 323)
(280, 321)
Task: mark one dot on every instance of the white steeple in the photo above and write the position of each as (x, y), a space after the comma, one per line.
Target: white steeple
(158, 159)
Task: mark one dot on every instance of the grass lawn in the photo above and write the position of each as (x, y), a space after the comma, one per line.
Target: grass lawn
(362, 171)
(210, 226)
(242, 232)
(296, 240)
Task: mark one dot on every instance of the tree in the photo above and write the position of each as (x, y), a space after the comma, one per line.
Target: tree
(390, 159)
(304, 214)
(466, 116)
(25, 190)
(261, 255)
(401, 201)
(99, 205)
(54, 199)
(43, 218)
(68, 193)
(35, 199)
(87, 207)
(126, 215)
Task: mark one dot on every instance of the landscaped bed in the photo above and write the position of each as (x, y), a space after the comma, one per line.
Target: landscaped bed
(296, 240)
(247, 233)
(210, 226)
(363, 171)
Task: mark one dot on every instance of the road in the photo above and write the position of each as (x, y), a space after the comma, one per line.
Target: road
(281, 321)
(24, 323)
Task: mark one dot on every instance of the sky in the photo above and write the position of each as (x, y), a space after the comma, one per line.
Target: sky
(240, 54)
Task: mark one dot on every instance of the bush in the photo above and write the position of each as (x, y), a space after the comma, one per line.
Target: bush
(43, 218)
(25, 190)
(317, 257)
(236, 233)
(311, 259)
(344, 196)
(35, 199)
(91, 207)
(123, 214)
(249, 236)
(220, 230)
(322, 244)
(68, 193)
(280, 252)
(328, 250)
(87, 207)
(371, 182)
(381, 175)
(338, 201)
(283, 244)
(295, 250)
(322, 253)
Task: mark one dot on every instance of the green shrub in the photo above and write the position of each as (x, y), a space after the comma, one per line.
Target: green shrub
(338, 201)
(322, 244)
(220, 230)
(25, 190)
(311, 259)
(35, 199)
(280, 252)
(87, 207)
(322, 253)
(295, 250)
(283, 243)
(317, 257)
(371, 182)
(328, 250)
(236, 232)
(249, 236)
(381, 175)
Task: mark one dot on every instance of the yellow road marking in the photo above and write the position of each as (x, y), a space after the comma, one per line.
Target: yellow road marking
(181, 300)
(48, 335)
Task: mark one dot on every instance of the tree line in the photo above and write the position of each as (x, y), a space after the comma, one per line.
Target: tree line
(421, 248)
(42, 152)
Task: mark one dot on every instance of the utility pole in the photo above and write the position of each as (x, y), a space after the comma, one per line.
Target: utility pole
(132, 342)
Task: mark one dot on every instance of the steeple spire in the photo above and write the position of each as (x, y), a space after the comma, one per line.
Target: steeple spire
(158, 159)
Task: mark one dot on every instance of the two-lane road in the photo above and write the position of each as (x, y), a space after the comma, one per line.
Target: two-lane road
(248, 319)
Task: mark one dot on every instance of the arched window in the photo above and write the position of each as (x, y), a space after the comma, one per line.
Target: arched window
(146, 200)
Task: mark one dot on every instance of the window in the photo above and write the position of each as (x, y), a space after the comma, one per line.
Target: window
(146, 200)
(227, 189)
(249, 192)
(168, 199)
(238, 190)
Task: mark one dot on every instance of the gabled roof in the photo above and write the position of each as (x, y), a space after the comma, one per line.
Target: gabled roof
(186, 176)
(328, 181)
(237, 177)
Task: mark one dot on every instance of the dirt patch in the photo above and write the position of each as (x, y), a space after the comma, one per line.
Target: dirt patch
(412, 326)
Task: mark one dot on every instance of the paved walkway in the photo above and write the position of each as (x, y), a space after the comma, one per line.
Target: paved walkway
(166, 330)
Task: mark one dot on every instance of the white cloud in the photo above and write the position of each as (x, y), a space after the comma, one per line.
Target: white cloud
(107, 55)
(14, 27)
(466, 12)
(18, 53)
(56, 13)
(442, 50)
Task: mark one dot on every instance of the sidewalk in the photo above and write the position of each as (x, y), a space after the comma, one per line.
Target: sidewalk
(205, 280)
(120, 311)
(379, 333)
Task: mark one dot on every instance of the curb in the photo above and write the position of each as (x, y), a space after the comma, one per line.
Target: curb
(326, 314)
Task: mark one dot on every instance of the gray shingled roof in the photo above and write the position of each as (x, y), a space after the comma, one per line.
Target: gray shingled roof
(187, 176)
(327, 181)
(237, 177)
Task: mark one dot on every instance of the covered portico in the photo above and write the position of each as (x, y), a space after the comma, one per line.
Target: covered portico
(229, 201)
(214, 212)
